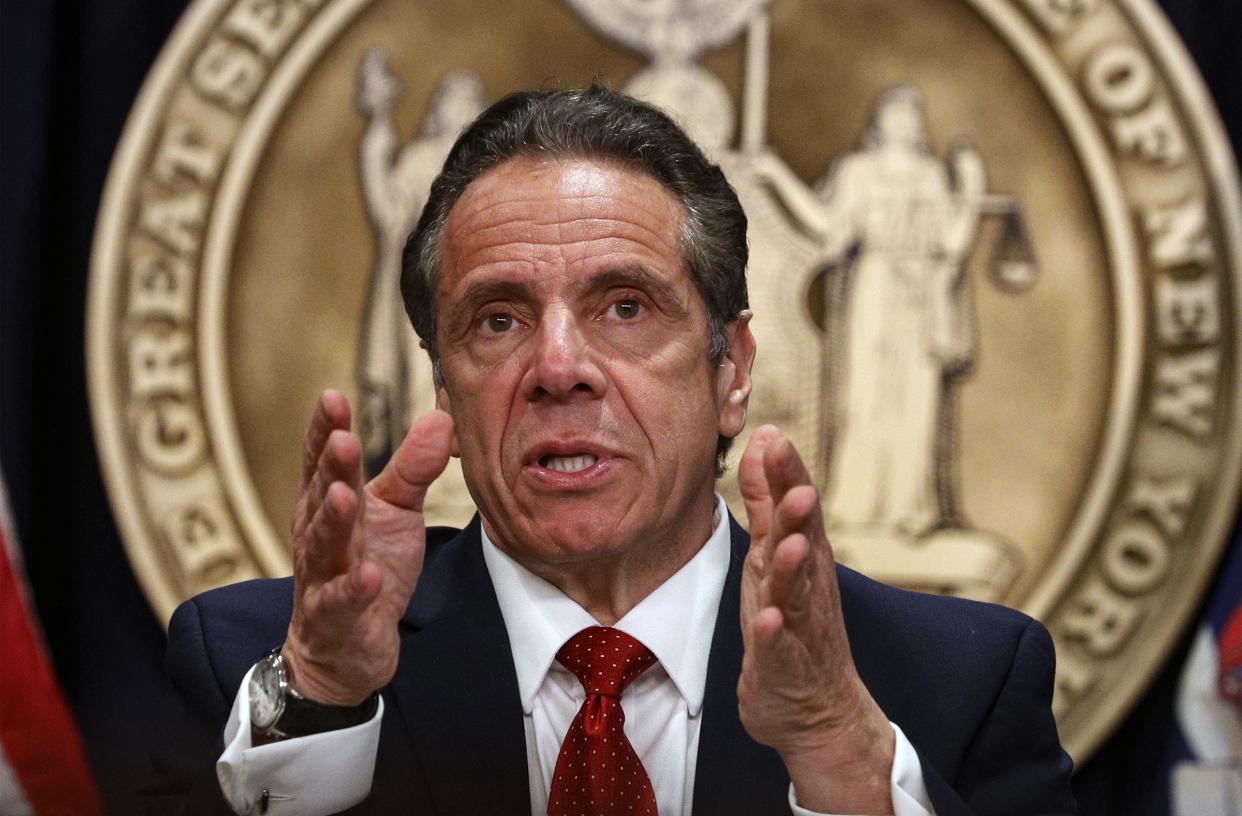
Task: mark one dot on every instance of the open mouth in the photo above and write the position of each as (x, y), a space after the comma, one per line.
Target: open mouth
(568, 464)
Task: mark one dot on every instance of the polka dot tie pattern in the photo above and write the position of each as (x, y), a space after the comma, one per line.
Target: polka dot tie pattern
(597, 772)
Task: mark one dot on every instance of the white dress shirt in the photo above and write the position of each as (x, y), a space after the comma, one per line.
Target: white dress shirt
(324, 773)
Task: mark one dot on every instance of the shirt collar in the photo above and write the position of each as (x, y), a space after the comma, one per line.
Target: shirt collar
(676, 621)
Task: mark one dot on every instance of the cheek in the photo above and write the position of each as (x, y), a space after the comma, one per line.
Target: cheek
(481, 411)
(677, 413)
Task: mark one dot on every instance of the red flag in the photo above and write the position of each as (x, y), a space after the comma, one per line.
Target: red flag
(43, 766)
(1230, 667)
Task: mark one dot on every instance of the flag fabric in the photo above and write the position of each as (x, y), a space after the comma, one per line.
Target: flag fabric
(1206, 776)
(43, 768)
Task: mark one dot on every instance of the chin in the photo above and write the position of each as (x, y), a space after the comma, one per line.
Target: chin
(573, 536)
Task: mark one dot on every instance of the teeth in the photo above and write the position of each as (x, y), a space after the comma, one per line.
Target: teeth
(569, 464)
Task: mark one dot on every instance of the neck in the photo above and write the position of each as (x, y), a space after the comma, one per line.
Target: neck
(609, 585)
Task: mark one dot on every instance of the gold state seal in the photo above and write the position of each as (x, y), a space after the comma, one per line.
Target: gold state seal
(995, 279)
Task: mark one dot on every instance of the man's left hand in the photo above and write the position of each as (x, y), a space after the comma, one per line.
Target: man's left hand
(799, 692)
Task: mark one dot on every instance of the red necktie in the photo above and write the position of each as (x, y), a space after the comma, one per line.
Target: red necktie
(597, 772)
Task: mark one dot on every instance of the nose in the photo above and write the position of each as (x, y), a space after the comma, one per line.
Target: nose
(563, 366)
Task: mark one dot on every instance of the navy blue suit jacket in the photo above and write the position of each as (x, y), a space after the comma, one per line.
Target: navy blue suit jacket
(970, 685)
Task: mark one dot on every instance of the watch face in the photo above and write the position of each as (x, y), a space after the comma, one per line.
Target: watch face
(266, 700)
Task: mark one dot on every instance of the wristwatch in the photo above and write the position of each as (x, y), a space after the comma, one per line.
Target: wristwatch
(278, 711)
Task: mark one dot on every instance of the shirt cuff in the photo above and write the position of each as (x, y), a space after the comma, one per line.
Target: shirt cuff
(905, 784)
(313, 775)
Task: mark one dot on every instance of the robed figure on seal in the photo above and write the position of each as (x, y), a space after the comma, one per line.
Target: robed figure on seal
(395, 381)
(898, 223)
(895, 225)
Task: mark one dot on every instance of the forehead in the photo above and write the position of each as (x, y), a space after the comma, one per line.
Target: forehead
(535, 211)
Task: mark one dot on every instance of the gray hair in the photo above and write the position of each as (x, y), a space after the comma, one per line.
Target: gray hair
(591, 123)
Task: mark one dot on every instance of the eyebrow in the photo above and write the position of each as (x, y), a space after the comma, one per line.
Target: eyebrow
(636, 276)
(455, 320)
(485, 291)
(630, 274)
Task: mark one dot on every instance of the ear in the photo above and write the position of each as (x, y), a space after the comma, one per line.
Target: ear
(733, 382)
(446, 405)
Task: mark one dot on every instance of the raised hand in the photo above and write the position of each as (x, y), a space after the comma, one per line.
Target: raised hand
(799, 692)
(357, 553)
(970, 181)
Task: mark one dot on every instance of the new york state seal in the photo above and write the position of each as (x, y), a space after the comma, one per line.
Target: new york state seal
(997, 249)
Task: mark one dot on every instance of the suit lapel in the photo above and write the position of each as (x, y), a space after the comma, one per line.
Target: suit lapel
(734, 774)
(457, 692)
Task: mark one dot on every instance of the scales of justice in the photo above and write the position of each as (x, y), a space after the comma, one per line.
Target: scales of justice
(867, 388)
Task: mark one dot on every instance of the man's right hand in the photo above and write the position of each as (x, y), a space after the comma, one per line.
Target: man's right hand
(357, 553)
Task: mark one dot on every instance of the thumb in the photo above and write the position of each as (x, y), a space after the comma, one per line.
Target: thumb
(421, 458)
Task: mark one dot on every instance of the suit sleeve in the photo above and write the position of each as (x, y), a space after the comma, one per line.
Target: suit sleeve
(190, 733)
(1015, 765)
(189, 727)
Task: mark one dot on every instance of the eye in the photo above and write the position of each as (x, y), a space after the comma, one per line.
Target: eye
(499, 323)
(627, 309)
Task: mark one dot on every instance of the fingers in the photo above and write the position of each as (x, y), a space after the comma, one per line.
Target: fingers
(787, 580)
(798, 557)
(784, 468)
(769, 468)
(789, 584)
(326, 554)
(340, 460)
(349, 594)
(331, 413)
(768, 627)
(331, 506)
(327, 560)
(783, 621)
(794, 561)
(794, 495)
(422, 457)
(797, 512)
(753, 481)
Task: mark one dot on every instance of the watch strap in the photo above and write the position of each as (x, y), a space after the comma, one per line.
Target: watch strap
(302, 717)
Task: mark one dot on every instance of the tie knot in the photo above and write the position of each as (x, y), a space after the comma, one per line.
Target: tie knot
(604, 659)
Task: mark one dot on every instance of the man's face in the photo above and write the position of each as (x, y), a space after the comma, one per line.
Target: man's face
(575, 362)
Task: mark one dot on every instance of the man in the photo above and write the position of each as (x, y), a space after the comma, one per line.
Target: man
(578, 279)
